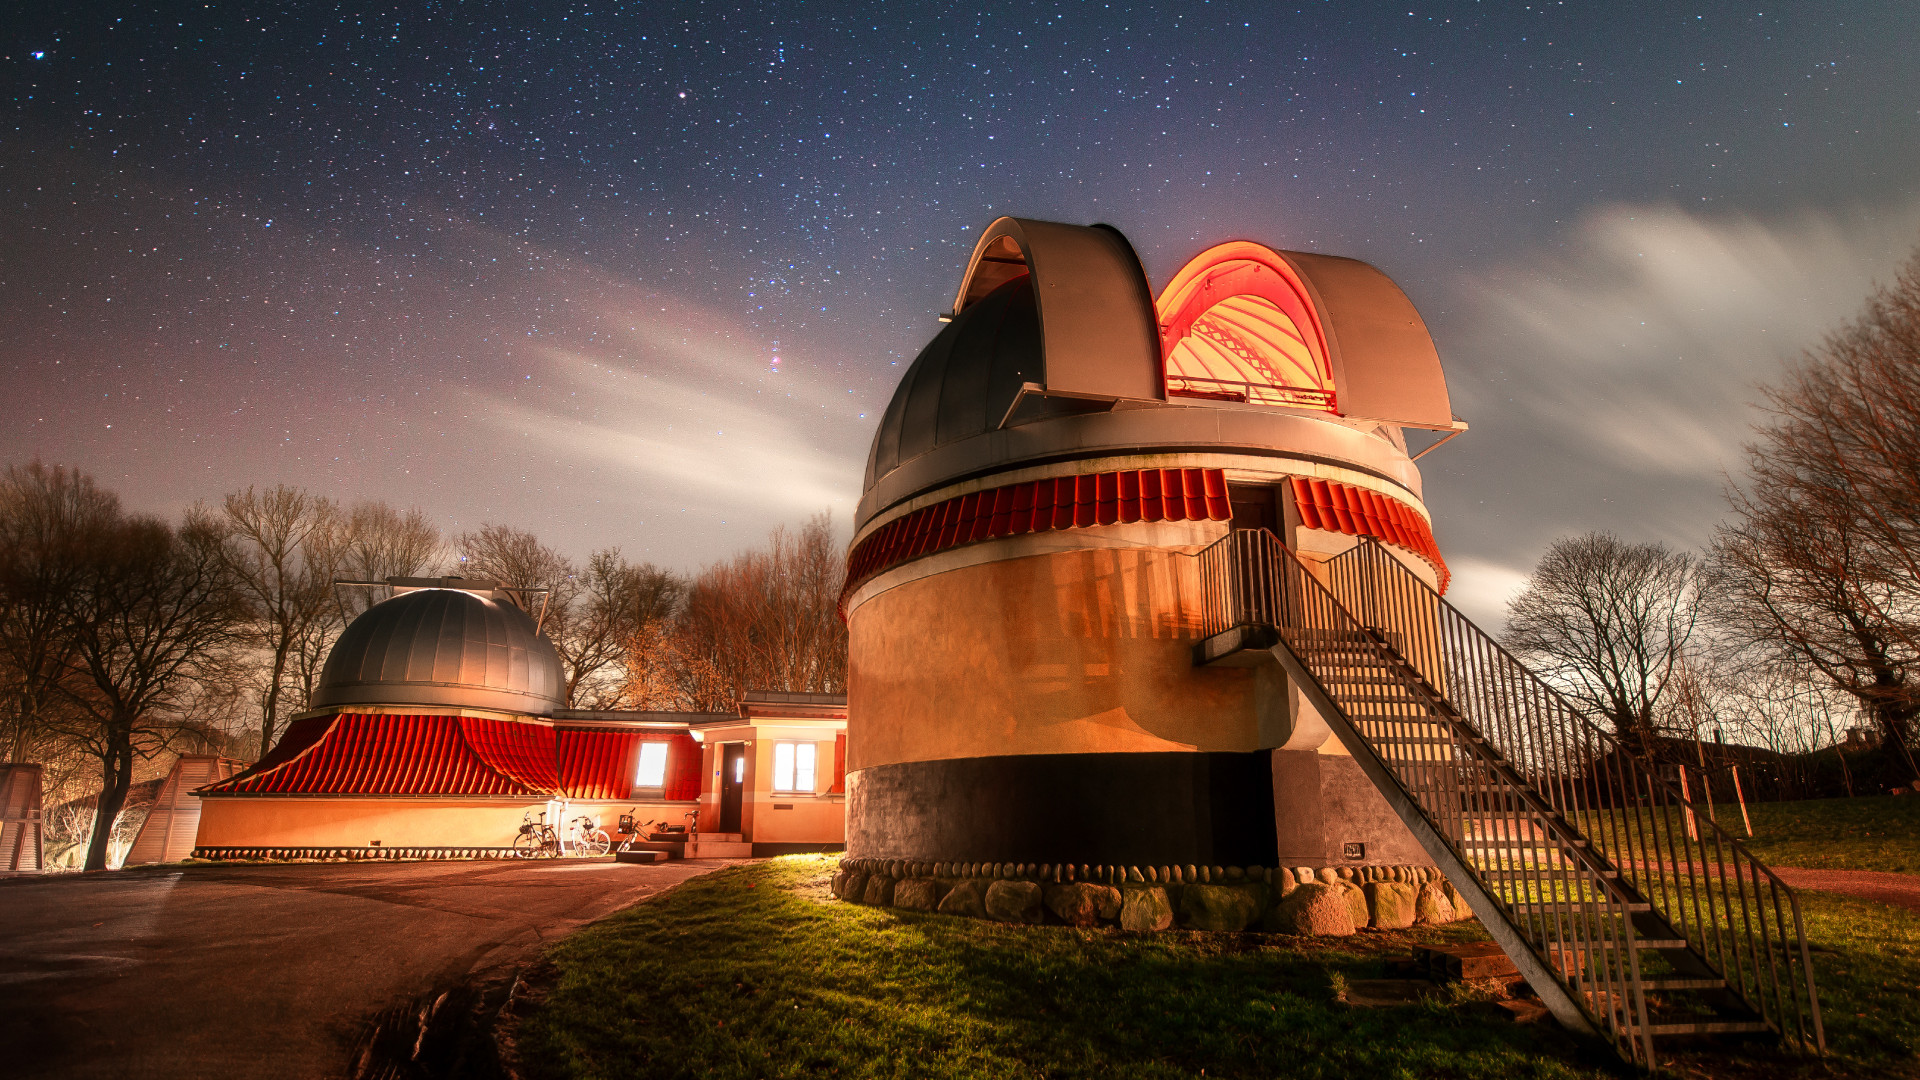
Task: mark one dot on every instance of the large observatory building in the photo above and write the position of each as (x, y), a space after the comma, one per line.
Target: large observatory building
(1023, 591)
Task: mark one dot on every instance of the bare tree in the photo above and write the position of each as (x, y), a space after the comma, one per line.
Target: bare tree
(374, 542)
(156, 605)
(517, 559)
(382, 542)
(1609, 623)
(592, 615)
(1822, 559)
(48, 516)
(282, 547)
(614, 605)
(1790, 587)
(766, 619)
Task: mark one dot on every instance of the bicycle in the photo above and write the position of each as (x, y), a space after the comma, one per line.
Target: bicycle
(633, 830)
(536, 839)
(590, 840)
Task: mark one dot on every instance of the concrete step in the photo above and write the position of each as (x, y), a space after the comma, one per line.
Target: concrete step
(1577, 904)
(719, 849)
(639, 856)
(1704, 1027)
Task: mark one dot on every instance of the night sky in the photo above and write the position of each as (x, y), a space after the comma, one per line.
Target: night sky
(646, 274)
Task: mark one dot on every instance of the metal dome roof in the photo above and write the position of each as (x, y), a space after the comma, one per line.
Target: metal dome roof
(964, 381)
(443, 646)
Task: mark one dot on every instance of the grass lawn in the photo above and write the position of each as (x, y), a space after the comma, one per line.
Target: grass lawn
(756, 971)
(1874, 833)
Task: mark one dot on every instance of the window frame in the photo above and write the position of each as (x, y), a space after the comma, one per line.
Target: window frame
(640, 765)
(793, 767)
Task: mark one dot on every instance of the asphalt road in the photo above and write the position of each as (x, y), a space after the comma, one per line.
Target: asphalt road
(267, 970)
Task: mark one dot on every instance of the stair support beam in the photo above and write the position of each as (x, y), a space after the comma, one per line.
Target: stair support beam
(1539, 975)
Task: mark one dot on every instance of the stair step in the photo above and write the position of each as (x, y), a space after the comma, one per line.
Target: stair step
(1673, 982)
(1524, 844)
(1702, 1027)
(1533, 906)
(1615, 943)
(1381, 700)
(1542, 871)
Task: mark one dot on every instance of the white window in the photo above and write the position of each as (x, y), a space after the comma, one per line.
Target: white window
(793, 766)
(653, 765)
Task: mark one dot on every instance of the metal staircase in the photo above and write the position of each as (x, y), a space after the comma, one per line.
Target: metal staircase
(1631, 914)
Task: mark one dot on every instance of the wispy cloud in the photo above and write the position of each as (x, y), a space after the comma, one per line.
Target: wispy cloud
(669, 406)
(1610, 380)
(1482, 590)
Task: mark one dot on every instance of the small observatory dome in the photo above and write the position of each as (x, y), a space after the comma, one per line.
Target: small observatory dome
(443, 641)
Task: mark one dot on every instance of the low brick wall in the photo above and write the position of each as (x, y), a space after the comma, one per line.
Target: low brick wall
(353, 853)
(1297, 900)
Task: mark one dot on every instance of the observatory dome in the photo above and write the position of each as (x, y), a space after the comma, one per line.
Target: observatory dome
(458, 646)
(962, 384)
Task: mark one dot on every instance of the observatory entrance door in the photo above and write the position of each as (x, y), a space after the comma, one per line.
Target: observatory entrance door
(733, 781)
(1254, 507)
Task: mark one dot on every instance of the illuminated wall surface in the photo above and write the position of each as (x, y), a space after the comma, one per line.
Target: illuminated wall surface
(1022, 592)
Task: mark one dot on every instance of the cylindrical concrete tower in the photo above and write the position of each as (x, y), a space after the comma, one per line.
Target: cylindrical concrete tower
(1023, 591)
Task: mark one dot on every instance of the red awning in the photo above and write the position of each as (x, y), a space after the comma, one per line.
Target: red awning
(603, 764)
(1356, 511)
(1065, 502)
(402, 754)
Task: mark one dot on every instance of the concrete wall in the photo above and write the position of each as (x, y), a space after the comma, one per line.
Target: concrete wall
(1323, 802)
(1068, 653)
(351, 821)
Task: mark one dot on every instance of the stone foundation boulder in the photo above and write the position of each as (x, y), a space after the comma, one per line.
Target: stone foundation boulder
(1145, 909)
(1314, 910)
(1013, 901)
(967, 898)
(1431, 907)
(1356, 900)
(916, 894)
(879, 891)
(854, 889)
(1083, 903)
(1220, 907)
(1390, 904)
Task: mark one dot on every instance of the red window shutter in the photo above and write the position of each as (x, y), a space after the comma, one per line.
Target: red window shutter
(839, 764)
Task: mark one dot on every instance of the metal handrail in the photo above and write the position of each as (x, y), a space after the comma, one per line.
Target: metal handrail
(1586, 851)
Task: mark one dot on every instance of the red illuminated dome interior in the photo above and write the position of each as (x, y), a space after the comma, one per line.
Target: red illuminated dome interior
(1236, 325)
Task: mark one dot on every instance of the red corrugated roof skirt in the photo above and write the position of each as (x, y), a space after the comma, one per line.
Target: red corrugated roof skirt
(1343, 508)
(402, 754)
(405, 754)
(605, 764)
(1063, 502)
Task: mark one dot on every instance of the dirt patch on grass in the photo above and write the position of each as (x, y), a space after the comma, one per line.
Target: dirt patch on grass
(1900, 890)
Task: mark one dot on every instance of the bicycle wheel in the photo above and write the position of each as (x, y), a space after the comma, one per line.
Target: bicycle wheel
(595, 843)
(523, 846)
(550, 843)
